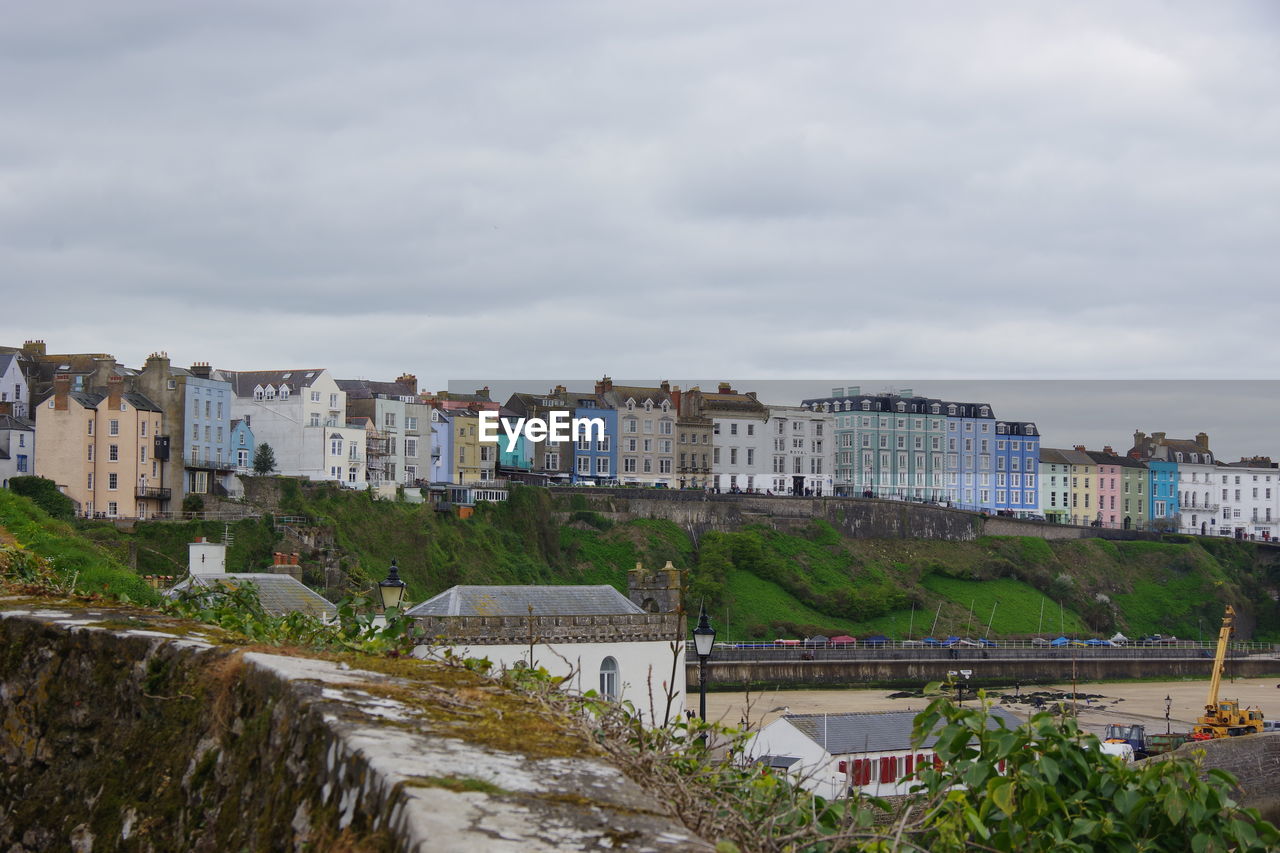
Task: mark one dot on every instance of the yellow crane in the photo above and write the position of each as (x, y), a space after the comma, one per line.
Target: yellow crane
(1223, 717)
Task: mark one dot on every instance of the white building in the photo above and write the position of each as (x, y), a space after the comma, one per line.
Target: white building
(740, 457)
(830, 754)
(279, 593)
(17, 448)
(619, 647)
(801, 450)
(302, 414)
(13, 384)
(1247, 495)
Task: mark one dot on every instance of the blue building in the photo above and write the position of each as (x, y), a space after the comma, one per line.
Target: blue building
(518, 460)
(970, 460)
(595, 459)
(1017, 461)
(441, 446)
(1163, 492)
(242, 444)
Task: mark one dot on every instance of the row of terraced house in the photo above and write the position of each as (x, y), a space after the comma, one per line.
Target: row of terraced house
(133, 442)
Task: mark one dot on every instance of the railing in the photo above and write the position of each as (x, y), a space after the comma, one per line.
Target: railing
(154, 493)
(218, 465)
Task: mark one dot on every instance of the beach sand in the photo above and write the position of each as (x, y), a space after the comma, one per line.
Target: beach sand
(1121, 702)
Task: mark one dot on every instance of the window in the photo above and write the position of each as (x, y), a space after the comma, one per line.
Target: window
(733, 429)
(410, 424)
(113, 481)
(314, 421)
(113, 427)
(113, 452)
(113, 508)
(602, 465)
(551, 461)
(90, 453)
(584, 465)
(665, 428)
(91, 481)
(411, 447)
(664, 466)
(389, 419)
(628, 465)
(603, 444)
(333, 401)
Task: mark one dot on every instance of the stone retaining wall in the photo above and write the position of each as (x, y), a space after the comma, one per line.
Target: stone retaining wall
(120, 730)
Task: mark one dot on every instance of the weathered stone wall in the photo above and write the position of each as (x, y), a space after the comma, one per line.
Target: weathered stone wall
(505, 630)
(121, 731)
(1253, 759)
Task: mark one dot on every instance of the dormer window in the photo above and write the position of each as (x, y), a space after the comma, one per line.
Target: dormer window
(902, 407)
(666, 407)
(1178, 455)
(648, 405)
(984, 411)
(631, 405)
(935, 409)
(284, 392)
(257, 392)
(269, 392)
(951, 410)
(866, 405)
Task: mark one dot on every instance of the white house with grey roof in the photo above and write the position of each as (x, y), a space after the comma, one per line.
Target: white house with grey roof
(302, 414)
(279, 594)
(830, 754)
(619, 646)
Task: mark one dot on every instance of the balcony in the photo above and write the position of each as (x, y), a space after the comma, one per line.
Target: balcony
(378, 444)
(152, 493)
(1211, 508)
(207, 464)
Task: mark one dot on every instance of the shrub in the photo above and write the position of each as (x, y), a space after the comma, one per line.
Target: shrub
(44, 493)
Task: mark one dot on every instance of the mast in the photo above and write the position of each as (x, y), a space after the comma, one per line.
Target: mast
(1219, 662)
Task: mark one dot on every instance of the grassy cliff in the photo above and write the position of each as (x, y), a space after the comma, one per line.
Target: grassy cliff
(759, 582)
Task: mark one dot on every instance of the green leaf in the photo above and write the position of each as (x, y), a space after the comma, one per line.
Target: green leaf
(1175, 806)
(1001, 793)
(1049, 768)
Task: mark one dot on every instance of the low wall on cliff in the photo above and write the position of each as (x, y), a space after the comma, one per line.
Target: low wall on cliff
(1253, 759)
(121, 730)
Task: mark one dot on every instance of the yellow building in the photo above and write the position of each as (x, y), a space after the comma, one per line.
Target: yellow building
(101, 449)
(1084, 485)
(473, 462)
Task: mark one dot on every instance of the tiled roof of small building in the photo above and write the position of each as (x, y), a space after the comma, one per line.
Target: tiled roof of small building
(600, 600)
(843, 734)
(278, 593)
(244, 381)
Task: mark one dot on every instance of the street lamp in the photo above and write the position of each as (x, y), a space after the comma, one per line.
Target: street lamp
(704, 637)
(391, 590)
(1168, 706)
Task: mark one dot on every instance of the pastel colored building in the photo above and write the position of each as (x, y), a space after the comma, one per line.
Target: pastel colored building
(111, 456)
(13, 384)
(197, 416)
(1163, 493)
(643, 420)
(242, 446)
(1055, 485)
(1017, 467)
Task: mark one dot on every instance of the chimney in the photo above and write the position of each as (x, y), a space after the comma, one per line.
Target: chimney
(752, 395)
(1080, 447)
(675, 399)
(724, 388)
(275, 558)
(665, 386)
(1107, 450)
(61, 388)
(293, 558)
(6, 408)
(1202, 439)
(201, 369)
(560, 391)
(1157, 437)
(604, 385)
(36, 348)
(410, 380)
(115, 390)
(159, 359)
(483, 393)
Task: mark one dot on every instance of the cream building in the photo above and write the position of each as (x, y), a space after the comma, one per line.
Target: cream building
(108, 458)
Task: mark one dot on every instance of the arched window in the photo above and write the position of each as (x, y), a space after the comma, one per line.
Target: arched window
(609, 678)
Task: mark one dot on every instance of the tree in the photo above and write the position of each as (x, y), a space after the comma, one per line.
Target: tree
(44, 494)
(264, 459)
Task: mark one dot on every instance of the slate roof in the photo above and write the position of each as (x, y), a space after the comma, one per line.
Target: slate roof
(1070, 457)
(7, 358)
(845, 734)
(10, 422)
(278, 593)
(244, 381)
(600, 600)
(367, 389)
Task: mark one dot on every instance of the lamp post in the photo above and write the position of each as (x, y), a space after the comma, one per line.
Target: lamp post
(704, 637)
(391, 590)
(1168, 707)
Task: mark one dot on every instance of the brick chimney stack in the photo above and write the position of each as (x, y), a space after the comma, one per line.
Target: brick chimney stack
(604, 385)
(115, 390)
(1079, 447)
(36, 348)
(61, 388)
(665, 386)
(1202, 439)
(724, 388)
(409, 380)
(201, 369)
(1107, 450)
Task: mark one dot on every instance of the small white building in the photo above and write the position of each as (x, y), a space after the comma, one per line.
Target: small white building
(278, 593)
(619, 646)
(831, 754)
(801, 450)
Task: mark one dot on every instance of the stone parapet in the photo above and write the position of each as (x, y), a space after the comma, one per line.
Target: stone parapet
(514, 630)
(122, 730)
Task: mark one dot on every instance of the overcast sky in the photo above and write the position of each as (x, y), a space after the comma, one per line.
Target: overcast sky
(778, 190)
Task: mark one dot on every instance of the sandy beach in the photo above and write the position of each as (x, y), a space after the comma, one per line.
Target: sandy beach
(1120, 702)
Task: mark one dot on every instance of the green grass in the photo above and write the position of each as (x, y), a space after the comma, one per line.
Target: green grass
(73, 557)
(1017, 608)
